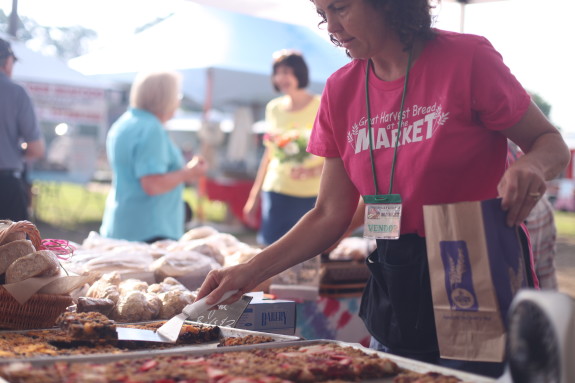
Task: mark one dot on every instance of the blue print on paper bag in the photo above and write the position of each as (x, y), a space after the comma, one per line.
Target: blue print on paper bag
(458, 275)
(508, 268)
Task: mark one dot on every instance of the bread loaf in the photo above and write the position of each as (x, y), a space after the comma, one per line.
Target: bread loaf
(11, 251)
(7, 235)
(43, 263)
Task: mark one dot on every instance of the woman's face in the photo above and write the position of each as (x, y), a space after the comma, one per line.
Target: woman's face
(356, 24)
(285, 79)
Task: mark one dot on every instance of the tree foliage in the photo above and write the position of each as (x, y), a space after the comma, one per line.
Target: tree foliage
(62, 42)
(542, 104)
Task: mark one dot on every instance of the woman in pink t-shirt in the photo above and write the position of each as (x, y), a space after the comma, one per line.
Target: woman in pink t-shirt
(456, 108)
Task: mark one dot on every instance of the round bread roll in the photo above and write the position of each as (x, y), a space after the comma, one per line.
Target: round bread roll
(132, 285)
(136, 306)
(113, 278)
(173, 302)
(12, 251)
(198, 232)
(154, 305)
(43, 263)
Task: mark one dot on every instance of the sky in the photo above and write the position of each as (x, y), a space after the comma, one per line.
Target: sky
(535, 37)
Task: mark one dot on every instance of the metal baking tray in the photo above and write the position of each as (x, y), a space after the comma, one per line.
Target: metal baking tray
(420, 367)
(404, 363)
(225, 332)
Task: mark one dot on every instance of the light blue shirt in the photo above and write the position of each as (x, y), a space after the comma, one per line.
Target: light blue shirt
(138, 145)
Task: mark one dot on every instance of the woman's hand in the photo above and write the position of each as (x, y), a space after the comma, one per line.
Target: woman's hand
(195, 168)
(251, 210)
(240, 277)
(520, 188)
(546, 155)
(316, 231)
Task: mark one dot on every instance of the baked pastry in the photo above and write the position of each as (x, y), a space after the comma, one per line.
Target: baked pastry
(428, 377)
(198, 232)
(173, 302)
(271, 365)
(42, 263)
(106, 287)
(13, 250)
(242, 340)
(154, 305)
(88, 326)
(132, 285)
(7, 235)
(168, 284)
(100, 305)
(136, 306)
(55, 342)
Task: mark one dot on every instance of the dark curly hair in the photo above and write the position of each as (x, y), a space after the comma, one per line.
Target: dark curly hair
(410, 19)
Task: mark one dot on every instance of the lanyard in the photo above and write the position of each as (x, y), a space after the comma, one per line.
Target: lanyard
(368, 66)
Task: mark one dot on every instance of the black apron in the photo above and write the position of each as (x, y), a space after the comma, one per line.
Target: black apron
(396, 306)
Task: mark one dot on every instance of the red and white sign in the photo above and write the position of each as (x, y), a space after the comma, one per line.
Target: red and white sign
(69, 104)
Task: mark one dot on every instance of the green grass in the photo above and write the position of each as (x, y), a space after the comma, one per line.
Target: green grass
(565, 223)
(71, 205)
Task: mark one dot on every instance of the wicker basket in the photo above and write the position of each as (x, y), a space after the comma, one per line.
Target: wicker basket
(9, 229)
(40, 311)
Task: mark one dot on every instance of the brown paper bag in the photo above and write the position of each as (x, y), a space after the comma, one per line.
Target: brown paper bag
(476, 264)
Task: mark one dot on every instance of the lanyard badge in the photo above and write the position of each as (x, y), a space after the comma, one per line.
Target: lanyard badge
(382, 216)
(383, 211)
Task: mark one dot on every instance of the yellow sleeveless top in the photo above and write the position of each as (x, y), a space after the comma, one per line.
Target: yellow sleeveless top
(286, 138)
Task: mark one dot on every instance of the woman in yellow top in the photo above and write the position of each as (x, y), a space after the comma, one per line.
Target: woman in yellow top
(287, 182)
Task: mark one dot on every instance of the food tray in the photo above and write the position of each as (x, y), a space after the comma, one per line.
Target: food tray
(404, 363)
(225, 332)
(421, 367)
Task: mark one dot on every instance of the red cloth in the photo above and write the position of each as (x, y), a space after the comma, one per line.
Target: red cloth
(234, 193)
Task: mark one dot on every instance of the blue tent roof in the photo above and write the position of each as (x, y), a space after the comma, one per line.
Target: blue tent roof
(237, 48)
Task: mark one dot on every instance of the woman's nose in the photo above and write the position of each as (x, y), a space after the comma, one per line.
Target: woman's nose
(333, 26)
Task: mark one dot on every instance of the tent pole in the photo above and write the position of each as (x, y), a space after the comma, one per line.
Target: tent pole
(202, 185)
(462, 18)
(13, 21)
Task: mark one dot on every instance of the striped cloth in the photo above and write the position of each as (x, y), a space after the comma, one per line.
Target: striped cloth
(541, 226)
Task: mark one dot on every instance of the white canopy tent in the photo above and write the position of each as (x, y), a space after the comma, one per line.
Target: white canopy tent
(301, 12)
(226, 61)
(62, 95)
(33, 66)
(225, 56)
(462, 14)
(296, 11)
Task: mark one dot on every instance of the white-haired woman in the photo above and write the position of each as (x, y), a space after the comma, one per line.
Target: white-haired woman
(149, 171)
